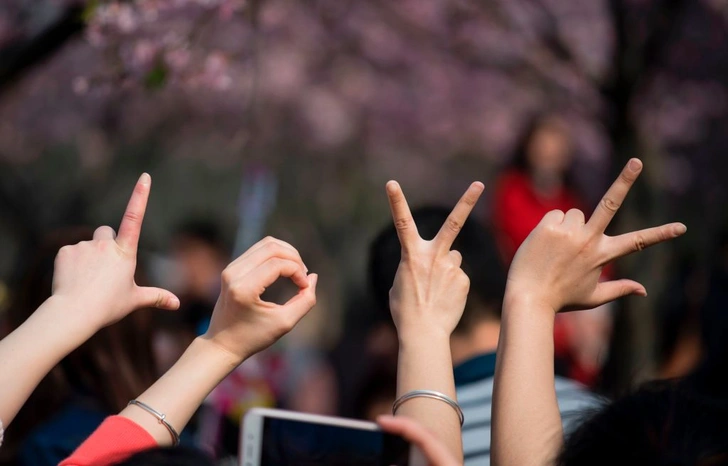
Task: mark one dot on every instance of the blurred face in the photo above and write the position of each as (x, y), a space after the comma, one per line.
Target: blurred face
(549, 152)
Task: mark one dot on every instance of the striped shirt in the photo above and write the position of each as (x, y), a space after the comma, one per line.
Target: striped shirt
(474, 385)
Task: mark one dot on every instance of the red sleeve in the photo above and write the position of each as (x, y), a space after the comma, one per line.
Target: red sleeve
(513, 216)
(113, 441)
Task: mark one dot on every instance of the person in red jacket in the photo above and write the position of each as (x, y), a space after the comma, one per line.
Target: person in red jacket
(539, 181)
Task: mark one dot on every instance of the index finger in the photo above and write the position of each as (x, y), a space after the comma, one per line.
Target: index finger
(455, 221)
(131, 223)
(612, 200)
(401, 214)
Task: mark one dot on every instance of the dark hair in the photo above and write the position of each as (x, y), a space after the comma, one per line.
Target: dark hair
(662, 423)
(204, 231)
(519, 161)
(169, 456)
(112, 367)
(481, 262)
(380, 384)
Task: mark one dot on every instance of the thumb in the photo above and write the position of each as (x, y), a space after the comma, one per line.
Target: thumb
(614, 289)
(299, 305)
(157, 297)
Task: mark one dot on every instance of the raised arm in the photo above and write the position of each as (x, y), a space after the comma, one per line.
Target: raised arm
(242, 324)
(556, 269)
(93, 286)
(427, 301)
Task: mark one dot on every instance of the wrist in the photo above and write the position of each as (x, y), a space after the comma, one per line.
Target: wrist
(65, 315)
(527, 301)
(416, 337)
(218, 352)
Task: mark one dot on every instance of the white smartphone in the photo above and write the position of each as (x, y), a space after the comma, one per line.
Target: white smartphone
(273, 437)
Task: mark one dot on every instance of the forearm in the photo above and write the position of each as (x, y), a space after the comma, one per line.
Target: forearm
(180, 391)
(526, 426)
(29, 353)
(425, 363)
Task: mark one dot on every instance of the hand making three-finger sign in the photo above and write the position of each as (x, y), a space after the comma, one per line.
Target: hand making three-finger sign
(98, 275)
(430, 288)
(560, 262)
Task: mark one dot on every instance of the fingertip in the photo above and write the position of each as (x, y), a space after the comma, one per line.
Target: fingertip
(641, 292)
(478, 185)
(313, 280)
(173, 303)
(300, 279)
(679, 229)
(384, 418)
(635, 164)
(145, 179)
(392, 186)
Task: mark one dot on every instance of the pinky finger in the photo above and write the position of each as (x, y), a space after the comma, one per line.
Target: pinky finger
(615, 289)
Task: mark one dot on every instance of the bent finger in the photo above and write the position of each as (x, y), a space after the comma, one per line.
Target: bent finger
(104, 233)
(265, 250)
(609, 291)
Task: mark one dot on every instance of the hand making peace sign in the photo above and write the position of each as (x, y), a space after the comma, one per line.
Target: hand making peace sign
(560, 262)
(430, 289)
(97, 276)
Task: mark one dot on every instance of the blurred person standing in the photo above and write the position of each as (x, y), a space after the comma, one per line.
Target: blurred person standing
(94, 381)
(539, 181)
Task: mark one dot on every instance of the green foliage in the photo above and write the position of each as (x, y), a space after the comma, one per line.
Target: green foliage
(157, 76)
(89, 10)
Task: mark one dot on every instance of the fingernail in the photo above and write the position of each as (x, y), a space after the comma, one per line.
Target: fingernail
(635, 165)
(314, 279)
(642, 293)
(174, 302)
(391, 186)
(145, 179)
(680, 229)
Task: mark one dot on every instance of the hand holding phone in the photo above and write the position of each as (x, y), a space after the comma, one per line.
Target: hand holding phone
(272, 437)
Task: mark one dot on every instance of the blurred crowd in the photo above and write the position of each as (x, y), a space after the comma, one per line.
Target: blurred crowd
(356, 376)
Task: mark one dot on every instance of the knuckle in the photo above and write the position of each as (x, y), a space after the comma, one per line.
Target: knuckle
(132, 216)
(403, 224)
(273, 248)
(626, 177)
(470, 199)
(227, 276)
(610, 204)
(639, 242)
(663, 234)
(453, 225)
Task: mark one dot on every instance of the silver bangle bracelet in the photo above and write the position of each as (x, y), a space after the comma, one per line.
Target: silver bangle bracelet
(162, 418)
(429, 394)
